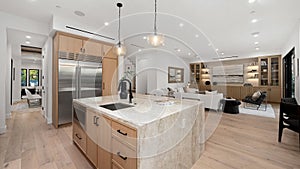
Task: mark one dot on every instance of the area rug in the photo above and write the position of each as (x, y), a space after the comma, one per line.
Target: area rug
(260, 112)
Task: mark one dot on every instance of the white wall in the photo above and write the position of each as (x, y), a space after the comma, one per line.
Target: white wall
(47, 82)
(294, 42)
(19, 23)
(152, 67)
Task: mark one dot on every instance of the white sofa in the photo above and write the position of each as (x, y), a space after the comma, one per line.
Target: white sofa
(211, 100)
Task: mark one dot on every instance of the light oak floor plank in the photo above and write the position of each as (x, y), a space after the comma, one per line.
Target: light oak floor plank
(239, 141)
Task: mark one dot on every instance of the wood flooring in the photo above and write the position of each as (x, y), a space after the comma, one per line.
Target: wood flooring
(239, 141)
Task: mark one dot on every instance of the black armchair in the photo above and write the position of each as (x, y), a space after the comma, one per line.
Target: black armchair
(257, 102)
(289, 116)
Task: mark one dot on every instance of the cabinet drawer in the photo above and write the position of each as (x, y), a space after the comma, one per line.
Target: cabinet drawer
(123, 155)
(79, 137)
(125, 133)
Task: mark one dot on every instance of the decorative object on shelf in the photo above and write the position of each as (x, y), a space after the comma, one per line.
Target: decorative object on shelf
(207, 82)
(155, 39)
(119, 49)
(175, 75)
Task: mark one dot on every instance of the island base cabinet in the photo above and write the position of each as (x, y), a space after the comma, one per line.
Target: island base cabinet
(91, 151)
(104, 159)
(79, 137)
(123, 155)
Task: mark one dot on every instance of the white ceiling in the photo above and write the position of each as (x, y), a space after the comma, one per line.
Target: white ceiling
(226, 24)
(17, 38)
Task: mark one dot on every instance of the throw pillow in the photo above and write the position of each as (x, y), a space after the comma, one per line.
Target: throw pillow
(212, 92)
(192, 90)
(256, 95)
(180, 90)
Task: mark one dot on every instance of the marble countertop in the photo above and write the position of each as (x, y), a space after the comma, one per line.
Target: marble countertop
(147, 108)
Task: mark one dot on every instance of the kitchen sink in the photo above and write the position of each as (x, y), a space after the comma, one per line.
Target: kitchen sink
(115, 106)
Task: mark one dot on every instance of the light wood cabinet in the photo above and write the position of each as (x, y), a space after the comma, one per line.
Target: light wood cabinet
(92, 48)
(270, 71)
(92, 139)
(73, 47)
(69, 44)
(98, 129)
(246, 91)
(104, 143)
(109, 74)
(234, 92)
(124, 146)
(79, 136)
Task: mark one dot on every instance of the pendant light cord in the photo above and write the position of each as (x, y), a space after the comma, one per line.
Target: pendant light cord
(155, 13)
(119, 31)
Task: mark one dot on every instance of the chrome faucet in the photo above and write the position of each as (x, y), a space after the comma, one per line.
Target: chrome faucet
(123, 93)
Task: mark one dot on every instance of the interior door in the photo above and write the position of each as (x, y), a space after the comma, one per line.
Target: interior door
(288, 75)
(90, 79)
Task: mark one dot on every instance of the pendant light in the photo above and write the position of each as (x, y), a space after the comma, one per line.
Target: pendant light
(119, 49)
(155, 39)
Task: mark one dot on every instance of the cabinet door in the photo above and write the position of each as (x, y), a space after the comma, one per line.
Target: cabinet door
(274, 71)
(106, 49)
(92, 48)
(234, 92)
(275, 94)
(70, 44)
(104, 143)
(246, 91)
(92, 128)
(264, 71)
(109, 76)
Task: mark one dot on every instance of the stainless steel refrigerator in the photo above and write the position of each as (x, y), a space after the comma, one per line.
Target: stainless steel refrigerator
(77, 79)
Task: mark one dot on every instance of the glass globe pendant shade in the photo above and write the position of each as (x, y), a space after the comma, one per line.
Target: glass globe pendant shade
(120, 49)
(156, 40)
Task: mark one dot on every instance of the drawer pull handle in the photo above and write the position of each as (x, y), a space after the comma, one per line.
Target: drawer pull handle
(96, 123)
(78, 136)
(119, 131)
(119, 154)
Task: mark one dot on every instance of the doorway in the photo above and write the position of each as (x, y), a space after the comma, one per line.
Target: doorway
(289, 74)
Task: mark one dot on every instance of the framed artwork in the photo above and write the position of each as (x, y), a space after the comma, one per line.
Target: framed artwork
(175, 75)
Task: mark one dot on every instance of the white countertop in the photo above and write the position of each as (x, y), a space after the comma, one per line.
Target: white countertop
(147, 108)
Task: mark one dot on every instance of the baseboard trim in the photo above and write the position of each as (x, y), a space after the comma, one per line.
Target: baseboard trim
(3, 130)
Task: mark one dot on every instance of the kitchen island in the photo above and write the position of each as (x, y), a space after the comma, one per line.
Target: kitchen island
(153, 132)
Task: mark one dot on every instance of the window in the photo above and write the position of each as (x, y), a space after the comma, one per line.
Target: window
(34, 77)
(23, 77)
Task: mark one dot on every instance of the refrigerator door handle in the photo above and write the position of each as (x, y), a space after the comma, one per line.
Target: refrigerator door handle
(79, 82)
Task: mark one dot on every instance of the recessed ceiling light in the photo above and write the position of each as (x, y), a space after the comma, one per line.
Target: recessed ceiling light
(145, 37)
(106, 23)
(181, 24)
(251, 1)
(178, 50)
(257, 48)
(217, 50)
(197, 36)
(255, 34)
(27, 42)
(28, 37)
(222, 53)
(79, 13)
(254, 20)
(189, 54)
(256, 43)
(140, 50)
